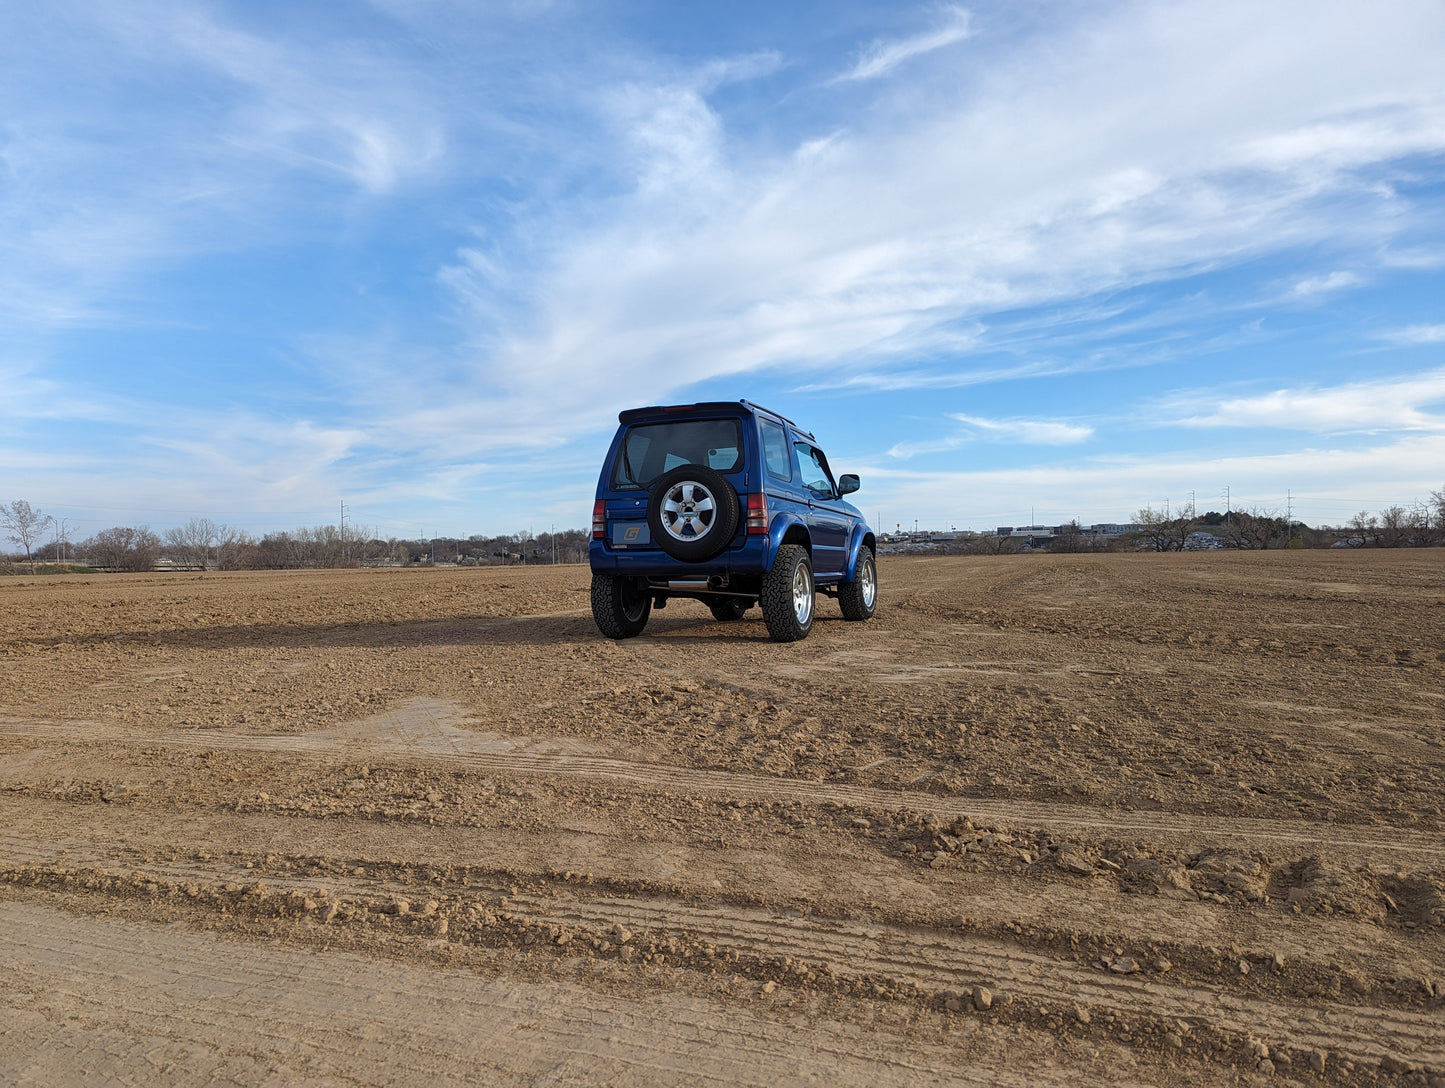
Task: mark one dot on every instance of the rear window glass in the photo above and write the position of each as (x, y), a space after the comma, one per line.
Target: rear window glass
(775, 450)
(650, 449)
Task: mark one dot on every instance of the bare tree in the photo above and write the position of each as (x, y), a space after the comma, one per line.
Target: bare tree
(1401, 528)
(1254, 529)
(24, 525)
(1161, 533)
(235, 549)
(193, 541)
(123, 549)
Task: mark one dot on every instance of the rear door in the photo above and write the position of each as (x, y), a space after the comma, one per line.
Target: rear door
(648, 448)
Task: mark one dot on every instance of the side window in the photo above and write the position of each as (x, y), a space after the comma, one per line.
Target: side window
(775, 450)
(814, 469)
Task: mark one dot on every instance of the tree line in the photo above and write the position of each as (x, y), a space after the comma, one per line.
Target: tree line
(203, 544)
(1419, 526)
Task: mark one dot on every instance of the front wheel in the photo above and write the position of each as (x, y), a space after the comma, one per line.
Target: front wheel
(788, 595)
(620, 605)
(859, 598)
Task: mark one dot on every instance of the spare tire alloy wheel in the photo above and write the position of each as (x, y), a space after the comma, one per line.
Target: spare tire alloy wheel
(693, 512)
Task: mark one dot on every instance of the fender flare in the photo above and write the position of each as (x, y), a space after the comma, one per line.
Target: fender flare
(786, 528)
(862, 537)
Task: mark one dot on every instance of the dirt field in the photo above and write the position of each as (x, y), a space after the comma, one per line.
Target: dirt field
(1136, 819)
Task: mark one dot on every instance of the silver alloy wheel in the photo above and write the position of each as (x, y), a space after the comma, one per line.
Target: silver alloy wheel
(869, 577)
(803, 594)
(688, 511)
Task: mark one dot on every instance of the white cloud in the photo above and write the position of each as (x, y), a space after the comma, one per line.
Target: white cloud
(866, 250)
(1327, 485)
(1031, 431)
(1320, 285)
(1390, 404)
(903, 451)
(883, 56)
(1417, 334)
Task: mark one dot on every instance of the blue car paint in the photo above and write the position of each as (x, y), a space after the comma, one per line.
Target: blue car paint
(793, 512)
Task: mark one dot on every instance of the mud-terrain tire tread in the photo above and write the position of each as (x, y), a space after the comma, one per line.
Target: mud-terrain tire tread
(726, 514)
(776, 597)
(850, 594)
(610, 611)
(728, 609)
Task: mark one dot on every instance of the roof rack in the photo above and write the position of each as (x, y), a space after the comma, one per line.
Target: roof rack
(779, 415)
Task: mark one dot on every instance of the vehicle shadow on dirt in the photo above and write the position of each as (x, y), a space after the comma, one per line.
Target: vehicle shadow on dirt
(547, 630)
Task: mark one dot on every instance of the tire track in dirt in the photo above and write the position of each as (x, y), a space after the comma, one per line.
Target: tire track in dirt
(428, 732)
(930, 962)
(167, 1006)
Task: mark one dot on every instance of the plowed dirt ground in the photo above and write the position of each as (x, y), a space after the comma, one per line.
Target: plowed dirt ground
(1125, 819)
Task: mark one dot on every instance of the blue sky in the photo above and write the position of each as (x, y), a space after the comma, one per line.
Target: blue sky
(1007, 260)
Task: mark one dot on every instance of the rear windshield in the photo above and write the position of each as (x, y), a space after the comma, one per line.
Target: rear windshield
(650, 449)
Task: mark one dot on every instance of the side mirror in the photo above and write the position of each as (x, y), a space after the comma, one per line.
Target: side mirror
(848, 483)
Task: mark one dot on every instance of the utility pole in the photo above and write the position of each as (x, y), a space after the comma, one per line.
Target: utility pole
(1288, 516)
(553, 529)
(345, 551)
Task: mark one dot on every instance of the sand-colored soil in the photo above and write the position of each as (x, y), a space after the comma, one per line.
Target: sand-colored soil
(1149, 819)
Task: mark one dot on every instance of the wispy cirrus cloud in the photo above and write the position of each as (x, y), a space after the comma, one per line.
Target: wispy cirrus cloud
(1329, 482)
(410, 239)
(1400, 403)
(1026, 432)
(1416, 334)
(1328, 283)
(881, 57)
(724, 261)
(1040, 432)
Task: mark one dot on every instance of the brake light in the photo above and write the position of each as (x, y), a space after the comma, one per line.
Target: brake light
(757, 514)
(599, 520)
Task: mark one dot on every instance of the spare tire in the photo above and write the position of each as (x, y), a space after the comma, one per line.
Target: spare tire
(693, 512)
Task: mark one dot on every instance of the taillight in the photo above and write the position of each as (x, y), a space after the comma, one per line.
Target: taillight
(757, 514)
(599, 520)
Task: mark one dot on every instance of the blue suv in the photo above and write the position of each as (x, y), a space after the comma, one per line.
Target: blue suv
(730, 504)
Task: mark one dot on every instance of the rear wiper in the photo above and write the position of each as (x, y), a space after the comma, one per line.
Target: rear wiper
(627, 466)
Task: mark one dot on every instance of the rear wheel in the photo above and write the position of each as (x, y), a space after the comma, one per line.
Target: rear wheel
(859, 598)
(727, 609)
(620, 605)
(788, 595)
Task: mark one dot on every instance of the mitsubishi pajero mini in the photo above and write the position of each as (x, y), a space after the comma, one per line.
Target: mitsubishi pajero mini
(733, 505)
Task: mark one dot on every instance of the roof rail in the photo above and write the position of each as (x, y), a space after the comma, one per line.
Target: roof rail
(785, 419)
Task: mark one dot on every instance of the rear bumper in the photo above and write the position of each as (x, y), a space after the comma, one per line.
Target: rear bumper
(751, 558)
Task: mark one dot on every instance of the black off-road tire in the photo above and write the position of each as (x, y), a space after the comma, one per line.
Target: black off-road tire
(620, 605)
(713, 529)
(788, 595)
(728, 609)
(859, 598)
